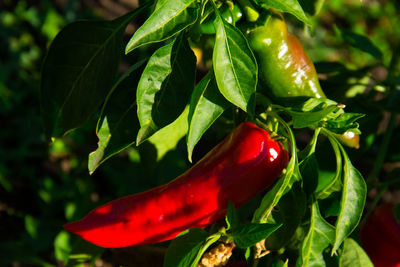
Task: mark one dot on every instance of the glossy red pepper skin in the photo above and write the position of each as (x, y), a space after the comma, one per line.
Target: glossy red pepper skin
(380, 237)
(237, 169)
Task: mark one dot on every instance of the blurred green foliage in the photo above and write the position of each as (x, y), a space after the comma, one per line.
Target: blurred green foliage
(43, 186)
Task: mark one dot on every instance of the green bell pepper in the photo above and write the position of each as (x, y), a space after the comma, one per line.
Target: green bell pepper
(286, 73)
(285, 68)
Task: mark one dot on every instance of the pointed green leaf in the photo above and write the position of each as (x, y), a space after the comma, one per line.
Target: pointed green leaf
(290, 211)
(354, 194)
(183, 249)
(159, 3)
(118, 124)
(313, 111)
(79, 70)
(235, 66)
(291, 174)
(168, 137)
(247, 235)
(290, 6)
(168, 19)
(320, 235)
(206, 105)
(165, 86)
(325, 186)
(353, 255)
(232, 217)
(343, 123)
(309, 171)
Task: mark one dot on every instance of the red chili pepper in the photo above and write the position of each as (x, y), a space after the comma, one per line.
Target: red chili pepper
(242, 165)
(380, 237)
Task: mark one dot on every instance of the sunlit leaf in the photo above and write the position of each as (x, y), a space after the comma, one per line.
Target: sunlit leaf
(313, 111)
(320, 235)
(290, 6)
(353, 255)
(169, 18)
(235, 66)
(165, 86)
(354, 194)
(206, 105)
(168, 137)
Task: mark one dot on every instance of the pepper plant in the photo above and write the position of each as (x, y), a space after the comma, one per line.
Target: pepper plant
(257, 71)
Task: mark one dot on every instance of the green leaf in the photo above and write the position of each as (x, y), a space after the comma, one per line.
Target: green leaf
(343, 123)
(309, 171)
(313, 111)
(159, 3)
(168, 19)
(314, 104)
(320, 235)
(183, 249)
(168, 137)
(354, 194)
(206, 105)
(118, 124)
(247, 235)
(359, 41)
(353, 255)
(235, 66)
(165, 86)
(79, 70)
(291, 174)
(290, 6)
(290, 211)
(232, 218)
(327, 186)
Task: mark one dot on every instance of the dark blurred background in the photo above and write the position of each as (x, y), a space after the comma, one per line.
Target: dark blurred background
(42, 186)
